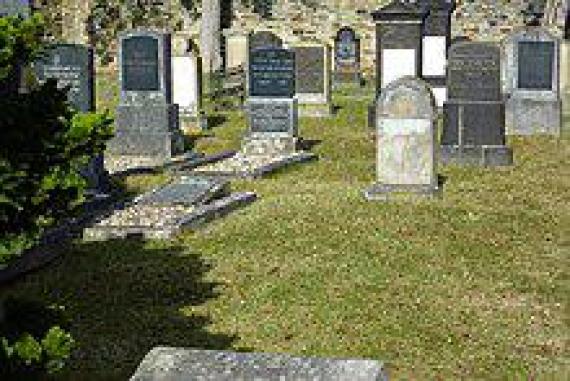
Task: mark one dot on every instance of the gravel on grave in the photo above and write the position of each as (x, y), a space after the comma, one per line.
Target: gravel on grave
(148, 216)
(245, 163)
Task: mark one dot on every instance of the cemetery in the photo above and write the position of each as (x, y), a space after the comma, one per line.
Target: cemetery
(284, 189)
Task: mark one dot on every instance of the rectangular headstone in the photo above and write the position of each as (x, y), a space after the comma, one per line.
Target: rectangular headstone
(15, 8)
(535, 64)
(179, 364)
(72, 66)
(310, 69)
(140, 64)
(186, 90)
(272, 73)
(272, 115)
(474, 72)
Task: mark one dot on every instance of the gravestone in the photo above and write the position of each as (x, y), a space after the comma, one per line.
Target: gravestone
(436, 36)
(71, 65)
(15, 8)
(405, 128)
(272, 108)
(473, 128)
(178, 364)
(147, 125)
(236, 48)
(565, 68)
(531, 75)
(313, 79)
(346, 57)
(187, 89)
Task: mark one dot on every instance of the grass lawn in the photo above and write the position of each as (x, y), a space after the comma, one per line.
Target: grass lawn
(473, 285)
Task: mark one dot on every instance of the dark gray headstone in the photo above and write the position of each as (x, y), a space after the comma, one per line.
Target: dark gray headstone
(310, 69)
(179, 364)
(535, 64)
(264, 39)
(140, 64)
(15, 8)
(474, 72)
(272, 72)
(72, 66)
(474, 114)
(347, 56)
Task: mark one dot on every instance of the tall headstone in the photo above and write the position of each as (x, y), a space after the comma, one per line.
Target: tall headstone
(146, 119)
(346, 57)
(406, 140)
(210, 35)
(565, 66)
(435, 43)
(258, 40)
(187, 89)
(71, 65)
(313, 79)
(531, 72)
(473, 130)
(272, 107)
(21, 8)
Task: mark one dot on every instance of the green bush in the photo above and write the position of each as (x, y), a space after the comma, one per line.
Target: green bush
(44, 144)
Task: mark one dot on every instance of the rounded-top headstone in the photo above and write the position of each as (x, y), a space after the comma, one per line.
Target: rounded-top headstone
(406, 98)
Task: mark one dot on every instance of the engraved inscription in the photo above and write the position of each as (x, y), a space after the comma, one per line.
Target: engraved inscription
(310, 69)
(140, 64)
(535, 64)
(272, 73)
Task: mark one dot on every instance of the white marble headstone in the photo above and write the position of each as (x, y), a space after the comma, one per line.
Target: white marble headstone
(185, 91)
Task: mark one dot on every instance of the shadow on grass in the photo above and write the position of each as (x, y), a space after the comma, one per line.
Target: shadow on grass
(122, 298)
(216, 120)
(308, 144)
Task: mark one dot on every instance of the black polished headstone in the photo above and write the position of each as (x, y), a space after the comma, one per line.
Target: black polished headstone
(15, 8)
(272, 72)
(140, 64)
(535, 64)
(72, 66)
(310, 69)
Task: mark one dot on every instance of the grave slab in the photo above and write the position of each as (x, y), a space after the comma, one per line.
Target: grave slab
(178, 364)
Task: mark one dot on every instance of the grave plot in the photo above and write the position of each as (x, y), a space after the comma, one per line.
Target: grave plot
(272, 138)
(163, 212)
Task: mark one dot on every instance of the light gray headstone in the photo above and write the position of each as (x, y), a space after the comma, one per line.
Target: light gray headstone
(179, 364)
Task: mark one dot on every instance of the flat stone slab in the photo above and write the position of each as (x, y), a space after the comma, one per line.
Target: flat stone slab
(153, 221)
(185, 191)
(243, 166)
(483, 156)
(387, 192)
(180, 364)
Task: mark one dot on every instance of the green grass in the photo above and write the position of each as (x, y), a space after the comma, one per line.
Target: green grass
(473, 285)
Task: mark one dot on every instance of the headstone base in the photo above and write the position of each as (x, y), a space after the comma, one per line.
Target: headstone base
(316, 110)
(177, 364)
(484, 156)
(268, 146)
(524, 116)
(386, 192)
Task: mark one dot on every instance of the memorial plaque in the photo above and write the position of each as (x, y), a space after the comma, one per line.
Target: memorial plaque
(140, 64)
(15, 8)
(272, 73)
(535, 64)
(270, 117)
(310, 69)
(72, 67)
(474, 72)
(264, 39)
(184, 191)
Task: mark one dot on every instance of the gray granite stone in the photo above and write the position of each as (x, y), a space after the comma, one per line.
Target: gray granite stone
(531, 82)
(273, 116)
(271, 73)
(185, 191)
(346, 57)
(178, 364)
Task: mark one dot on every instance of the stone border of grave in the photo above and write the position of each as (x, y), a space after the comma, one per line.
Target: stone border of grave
(177, 364)
(260, 171)
(199, 216)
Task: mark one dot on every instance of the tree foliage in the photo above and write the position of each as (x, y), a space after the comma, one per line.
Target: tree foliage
(44, 144)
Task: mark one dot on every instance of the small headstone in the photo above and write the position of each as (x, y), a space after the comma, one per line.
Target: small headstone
(406, 160)
(15, 8)
(347, 57)
(313, 79)
(178, 364)
(187, 89)
(531, 72)
(473, 130)
(236, 49)
(272, 73)
(146, 120)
